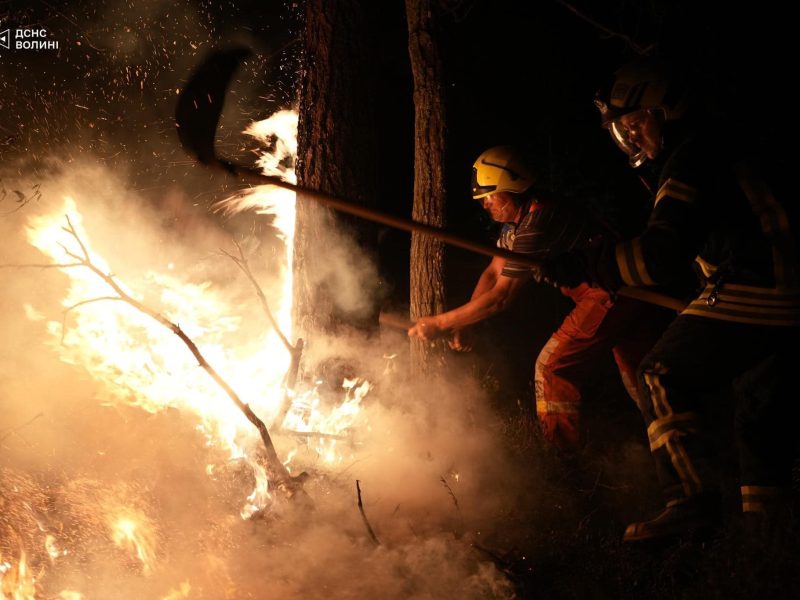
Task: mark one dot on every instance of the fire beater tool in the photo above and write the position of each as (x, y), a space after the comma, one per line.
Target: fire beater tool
(197, 115)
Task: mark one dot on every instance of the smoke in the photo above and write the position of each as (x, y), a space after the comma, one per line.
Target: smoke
(143, 505)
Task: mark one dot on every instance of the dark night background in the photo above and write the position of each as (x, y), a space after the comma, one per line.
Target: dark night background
(520, 73)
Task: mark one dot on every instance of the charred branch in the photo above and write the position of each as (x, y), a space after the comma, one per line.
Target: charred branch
(364, 515)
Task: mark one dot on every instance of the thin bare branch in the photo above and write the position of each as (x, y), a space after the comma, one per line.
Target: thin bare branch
(76, 305)
(12, 430)
(295, 351)
(241, 262)
(89, 301)
(364, 515)
(71, 230)
(450, 491)
(642, 50)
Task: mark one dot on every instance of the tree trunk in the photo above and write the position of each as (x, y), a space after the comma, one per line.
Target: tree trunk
(427, 268)
(336, 154)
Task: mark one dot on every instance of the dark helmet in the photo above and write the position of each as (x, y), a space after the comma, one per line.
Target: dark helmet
(640, 85)
(500, 169)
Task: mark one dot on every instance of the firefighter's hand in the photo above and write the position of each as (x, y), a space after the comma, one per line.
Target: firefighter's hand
(461, 340)
(427, 328)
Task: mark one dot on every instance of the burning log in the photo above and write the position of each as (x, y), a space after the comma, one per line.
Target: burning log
(275, 468)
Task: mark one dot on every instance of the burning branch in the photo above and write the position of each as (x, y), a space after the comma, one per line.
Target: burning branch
(77, 305)
(277, 471)
(295, 351)
(241, 262)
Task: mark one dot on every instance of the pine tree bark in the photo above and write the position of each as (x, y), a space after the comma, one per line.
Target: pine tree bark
(336, 148)
(427, 255)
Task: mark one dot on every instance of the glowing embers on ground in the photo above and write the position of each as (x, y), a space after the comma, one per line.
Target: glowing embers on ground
(133, 531)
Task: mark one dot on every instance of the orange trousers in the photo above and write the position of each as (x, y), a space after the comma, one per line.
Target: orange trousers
(596, 326)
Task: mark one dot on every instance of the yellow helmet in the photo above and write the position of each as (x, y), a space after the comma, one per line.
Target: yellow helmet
(500, 169)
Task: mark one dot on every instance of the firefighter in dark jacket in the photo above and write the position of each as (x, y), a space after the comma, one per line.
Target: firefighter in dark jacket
(713, 207)
(597, 325)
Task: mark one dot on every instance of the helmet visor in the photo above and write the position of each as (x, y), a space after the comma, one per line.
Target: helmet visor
(622, 138)
(478, 190)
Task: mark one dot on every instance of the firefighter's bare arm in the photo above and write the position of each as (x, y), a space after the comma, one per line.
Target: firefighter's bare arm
(489, 277)
(462, 340)
(491, 302)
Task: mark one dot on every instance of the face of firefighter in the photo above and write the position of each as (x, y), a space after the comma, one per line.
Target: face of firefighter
(643, 129)
(502, 207)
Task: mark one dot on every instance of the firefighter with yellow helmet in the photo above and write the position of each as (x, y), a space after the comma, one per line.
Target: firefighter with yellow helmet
(597, 326)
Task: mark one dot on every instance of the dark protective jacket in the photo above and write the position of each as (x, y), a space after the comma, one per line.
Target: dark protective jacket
(713, 207)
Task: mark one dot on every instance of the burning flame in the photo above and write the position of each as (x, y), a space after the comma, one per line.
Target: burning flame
(141, 362)
(182, 592)
(132, 531)
(279, 133)
(17, 582)
(52, 548)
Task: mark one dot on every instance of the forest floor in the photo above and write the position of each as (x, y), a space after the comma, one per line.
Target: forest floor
(567, 543)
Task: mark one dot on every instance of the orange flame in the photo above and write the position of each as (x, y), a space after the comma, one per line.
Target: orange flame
(139, 361)
(132, 531)
(182, 592)
(17, 582)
